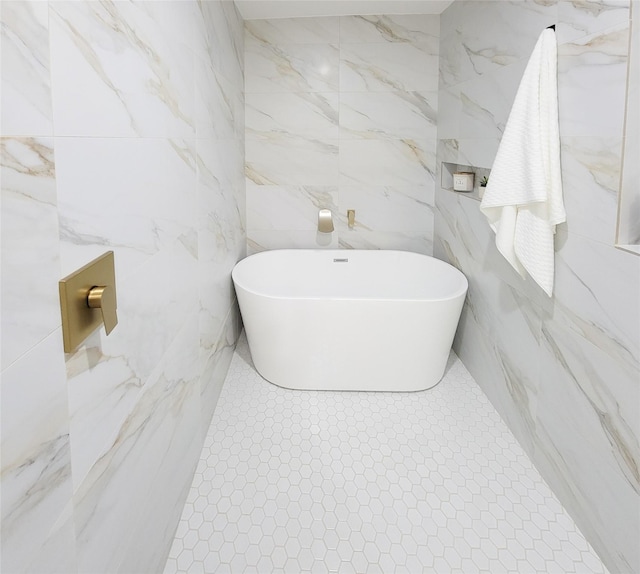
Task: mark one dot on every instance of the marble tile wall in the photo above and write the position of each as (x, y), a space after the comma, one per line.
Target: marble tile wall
(341, 114)
(563, 372)
(122, 129)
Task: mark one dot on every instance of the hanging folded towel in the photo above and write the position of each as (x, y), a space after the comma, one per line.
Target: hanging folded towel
(523, 199)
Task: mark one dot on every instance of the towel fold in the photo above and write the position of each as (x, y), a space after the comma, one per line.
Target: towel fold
(523, 199)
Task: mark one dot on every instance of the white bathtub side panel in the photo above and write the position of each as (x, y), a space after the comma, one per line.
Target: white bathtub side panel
(349, 345)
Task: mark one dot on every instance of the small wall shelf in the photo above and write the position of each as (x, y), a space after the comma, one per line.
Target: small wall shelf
(446, 176)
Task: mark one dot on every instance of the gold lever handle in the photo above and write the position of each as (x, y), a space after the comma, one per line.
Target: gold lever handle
(104, 298)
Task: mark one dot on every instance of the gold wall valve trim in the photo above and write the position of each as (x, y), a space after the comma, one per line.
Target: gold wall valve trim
(87, 300)
(351, 217)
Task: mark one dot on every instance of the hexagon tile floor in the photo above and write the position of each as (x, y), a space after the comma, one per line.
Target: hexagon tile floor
(305, 481)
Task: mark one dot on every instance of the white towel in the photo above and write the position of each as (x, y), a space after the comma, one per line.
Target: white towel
(523, 199)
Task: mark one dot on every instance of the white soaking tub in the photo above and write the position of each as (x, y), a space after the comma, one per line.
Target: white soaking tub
(356, 320)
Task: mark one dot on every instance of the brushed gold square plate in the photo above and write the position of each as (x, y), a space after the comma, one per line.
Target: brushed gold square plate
(78, 319)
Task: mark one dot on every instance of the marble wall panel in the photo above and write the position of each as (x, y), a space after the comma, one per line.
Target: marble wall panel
(135, 196)
(407, 29)
(503, 322)
(219, 106)
(221, 237)
(378, 67)
(37, 531)
(387, 162)
(145, 110)
(390, 208)
(588, 108)
(262, 240)
(391, 115)
(26, 80)
(583, 297)
(30, 250)
(485, 102)
(479, 38)
(590, 181)
(581, 19)
(358, 238)
(291, 160)
(218, 37)
(590, 449)
(291, 67)
(294, 30)
(177, 422)
(273, 207)
(363, 139)
(216, 365)
(221, 219)
(309, 115)
(118, 73)
(108, 500)
(563, 372)
(108, 383)
(36, 461)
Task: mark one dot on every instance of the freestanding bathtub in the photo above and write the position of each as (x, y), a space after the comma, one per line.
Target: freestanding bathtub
(357, 320)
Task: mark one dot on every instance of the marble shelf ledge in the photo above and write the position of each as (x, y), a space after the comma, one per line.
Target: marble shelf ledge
(446, 178)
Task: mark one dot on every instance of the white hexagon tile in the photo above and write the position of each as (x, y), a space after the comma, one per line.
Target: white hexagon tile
(305, 481)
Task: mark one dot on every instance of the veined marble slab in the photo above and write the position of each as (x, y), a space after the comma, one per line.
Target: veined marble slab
(481, 37)
(142, 198)
(26, 79)
(389, 67)
(417, 242)
(261, 240)
(388, 115)
(409, 29)
(292, 160)
(144, 105)
(563, 371)
(36, 462)
(219, 105)
(288, 207)
(214, 361)
(220, 36)
(118, 73)
(387, 162)
(115, 493)
(108, 376)
(30, 260)
(310, 115)
(391, 208)
(319, 30)
(291, 67)
(590, 183)
(587, 107)
(579, 19)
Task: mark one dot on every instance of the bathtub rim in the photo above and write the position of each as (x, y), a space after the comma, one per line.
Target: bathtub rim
(462, 290)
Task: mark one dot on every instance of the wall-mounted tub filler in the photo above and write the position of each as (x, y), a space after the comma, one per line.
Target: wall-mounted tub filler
(325, 221)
